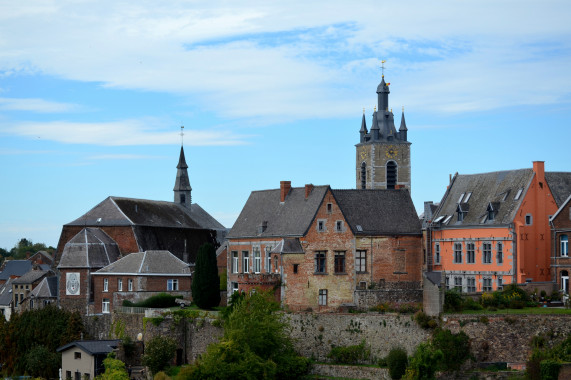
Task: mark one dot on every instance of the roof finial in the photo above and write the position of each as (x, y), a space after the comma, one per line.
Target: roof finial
(181, 135)
(403, 109)
(375, 108)
(363, 110)
(383, 67)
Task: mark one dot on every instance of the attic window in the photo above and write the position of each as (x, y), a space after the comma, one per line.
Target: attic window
(447, 219)
(329, 207)
(460, 215)
(461, 197)
(467, 197)
(518, 194)
(359, 228)
(437, 220)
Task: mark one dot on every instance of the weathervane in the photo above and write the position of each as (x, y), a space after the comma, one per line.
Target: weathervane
(383, 67)
(181, 135)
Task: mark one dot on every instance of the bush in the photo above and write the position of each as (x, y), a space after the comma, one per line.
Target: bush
(205, 281)
(397, 360)
(424, 320)
(159, 301)
(470, 304)
(453, 301)
(455, 347)
(549, 369)
(424, 362)
(161, 376)
(159, 352)
(350, 354)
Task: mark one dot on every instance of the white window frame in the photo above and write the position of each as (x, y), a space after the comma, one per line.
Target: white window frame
(500, 281)
(235, 262)
(245, 261)
(528, 219)
(268, 264)
(130, 284)
(361, 261)
(105, 284)
(172, 284)
(105, 306)
(257, 260)
(234, 287)
(564, 245)
(119, 284)
(437, 253)
(321, 227)
(322, 301)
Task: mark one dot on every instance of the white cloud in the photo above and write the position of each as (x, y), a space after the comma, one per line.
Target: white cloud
(35, 105)
(120, 133)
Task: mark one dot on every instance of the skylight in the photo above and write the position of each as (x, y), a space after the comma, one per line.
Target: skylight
(461, 196)
(439, 218)
(518, 194)
(447, 219)
(468, 197)
(359, 228)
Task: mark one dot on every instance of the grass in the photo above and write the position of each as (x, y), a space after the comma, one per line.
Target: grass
(524, 311)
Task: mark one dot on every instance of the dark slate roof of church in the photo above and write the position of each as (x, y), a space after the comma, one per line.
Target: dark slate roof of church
(290, 218)
(30, 277)
(378, 212)
(93, 347)
(119, 211)
(149, 262)
(560, 185)
(485, 188)
(45, 289)
(90, 248)
(15, 268)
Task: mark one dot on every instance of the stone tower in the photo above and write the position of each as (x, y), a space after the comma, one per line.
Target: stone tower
(182, 189)
(383, 153)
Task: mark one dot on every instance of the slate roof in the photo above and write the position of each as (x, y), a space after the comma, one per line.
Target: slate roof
(290, 218)
(290, 245)
(31, 277)
(93, 347)
(119, 211)
(15, 268)
(6, 293)
(378, 212)
(45, 289)
(560, 185)
(501, 187)
(90, 248)
(147, 263)
(46, 257)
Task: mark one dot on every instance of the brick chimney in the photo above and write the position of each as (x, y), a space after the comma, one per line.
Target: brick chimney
(539, 170)
(285, 187)
(308, 190)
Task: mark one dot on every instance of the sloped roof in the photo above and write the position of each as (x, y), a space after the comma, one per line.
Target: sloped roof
(93, 347)
(90, 248)
(119, 211)
(500, 186)
(45, 289)
(290, 218)
(149, 262)
(378, 212)
(15, 268)
(560, 185)
(289, 245)
(6, 293)
(46, 257)
(31, 277)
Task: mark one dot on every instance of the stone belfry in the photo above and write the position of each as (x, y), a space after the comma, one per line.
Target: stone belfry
(383, 153)
(182, 189)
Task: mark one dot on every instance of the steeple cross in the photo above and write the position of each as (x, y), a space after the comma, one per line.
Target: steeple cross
(383, 67)
(181, 135)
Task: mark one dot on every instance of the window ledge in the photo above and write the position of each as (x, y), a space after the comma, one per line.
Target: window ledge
(320, 273)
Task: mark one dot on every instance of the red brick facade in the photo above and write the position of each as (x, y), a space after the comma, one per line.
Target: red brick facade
(560, 233)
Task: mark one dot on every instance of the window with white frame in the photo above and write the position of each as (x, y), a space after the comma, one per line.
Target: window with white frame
(172, 284)
(564, 245)
(235, 262)
(528, 220)
(245, 261)
(257, 260)
(320, 257)
(487, 253)
(339, 225)
(276, 263)
(321, 225)
(119, 284)
(234, 287)
(130, 284)
(471, 285)
(470, 253)
(322, 297)
(447, 282)
(105, 284)
(361, 261)
(487, 284)
(458, 253)
(268, 259)
(105, 305)
(437, 253)
(500, 252)
(458, 283)
(500, 283)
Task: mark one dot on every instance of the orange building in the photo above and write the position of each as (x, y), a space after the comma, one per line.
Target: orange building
(492, 229)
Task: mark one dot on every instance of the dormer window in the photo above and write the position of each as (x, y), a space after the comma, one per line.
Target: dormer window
(263, 227)
(461, 210)
(492, 210)
(447, 219)
(460, 215)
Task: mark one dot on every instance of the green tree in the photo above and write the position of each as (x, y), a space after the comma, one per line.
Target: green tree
(114, 369)
(424, 362)
(397, 360)
(41, 362)
(255, 345)
(205, 281)
(455, 347)
(159, 352)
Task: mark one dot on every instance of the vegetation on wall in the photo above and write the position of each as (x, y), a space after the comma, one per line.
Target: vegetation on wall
(355, 354)
(545, 362)
(160, 301)
(205, 280)
(114, 369)
(159, 352)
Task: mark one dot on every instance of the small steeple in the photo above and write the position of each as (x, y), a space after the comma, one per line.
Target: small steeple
(363, 130)
(375, 130)
(403, 129)
(182, 189)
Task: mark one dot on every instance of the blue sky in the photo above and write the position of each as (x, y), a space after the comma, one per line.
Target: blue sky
(93, 94)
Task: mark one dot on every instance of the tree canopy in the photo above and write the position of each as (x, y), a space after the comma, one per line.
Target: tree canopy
(205, 280)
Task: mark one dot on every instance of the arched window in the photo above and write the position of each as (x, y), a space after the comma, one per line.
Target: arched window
(363, 176)
(564, 239)
(391, 174)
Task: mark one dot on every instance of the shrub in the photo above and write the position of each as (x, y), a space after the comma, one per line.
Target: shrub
(424, 320)
(470, 304)
(549, 369)
(397, 360)
(161, 301)
(455, 347)
(161, 376)
(453, 301)
(350, 354)
(424, 362)
(159, 352)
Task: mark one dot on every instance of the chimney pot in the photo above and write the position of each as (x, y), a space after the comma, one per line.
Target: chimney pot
(285, 187)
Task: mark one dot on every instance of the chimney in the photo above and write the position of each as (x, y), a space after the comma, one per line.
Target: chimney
(285, 187)
(539, 170)
(308, 190)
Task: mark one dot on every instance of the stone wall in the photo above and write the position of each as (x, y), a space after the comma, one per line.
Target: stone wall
(392, 293)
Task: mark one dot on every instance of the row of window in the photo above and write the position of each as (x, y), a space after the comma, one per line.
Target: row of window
(321, 225)
(470, 257)
(391, 168)
(172, 284)
(256, 262)
(339, 262)
(471, 284)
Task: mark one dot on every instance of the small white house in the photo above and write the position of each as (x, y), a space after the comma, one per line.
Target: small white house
(83, 359)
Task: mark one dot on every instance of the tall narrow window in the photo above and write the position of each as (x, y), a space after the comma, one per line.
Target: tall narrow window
(268, 259)
(437, 253)
(119, 284)
(234, 261)
(471, 286)
(182, 199)
(130, 284)
(363, 176)
(470, 253)
(105, 285)
(391, 174)
(339, 261)
(500, 283)
(245, 261)
(500, 253)
(458, 283)
(257, 260)
(458, 253)
(105, 305)
(564, 239)
(447, 282)
(320, 262)
(487, 285)
(322, 297)
(361, 261)
(487, 253)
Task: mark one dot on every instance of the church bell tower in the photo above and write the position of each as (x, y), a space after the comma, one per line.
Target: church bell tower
(182, 189)
(383, 153)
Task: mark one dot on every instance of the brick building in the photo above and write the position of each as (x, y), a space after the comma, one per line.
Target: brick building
(492, 229)
(561, 229)
(24, 285)
(138, 276)
(319, 246)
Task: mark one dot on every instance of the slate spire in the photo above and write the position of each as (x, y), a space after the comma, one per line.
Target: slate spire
(182, 189)
(403, 129)
(363, 130)
(383, 95)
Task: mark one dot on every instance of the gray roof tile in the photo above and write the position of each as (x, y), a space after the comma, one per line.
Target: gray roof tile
(90, 248)
(15, 268)
(6, 293)
(560, 185)
(31, 277)
(45, 289)
(149, 262)
(93, 346)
